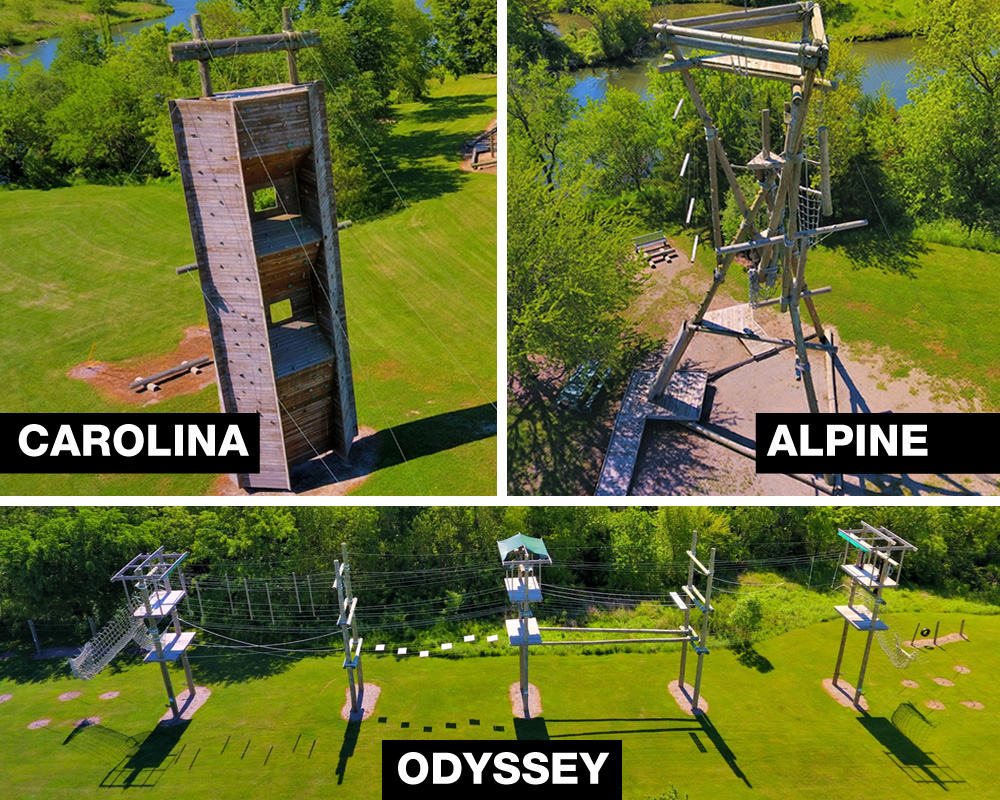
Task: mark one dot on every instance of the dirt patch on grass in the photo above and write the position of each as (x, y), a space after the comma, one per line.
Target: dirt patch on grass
(369, 697)
(936, 705)
(517, 702)
(325, 476)
(684, 697)
(38, 723)
(69, 696)
(109, 695)
(187, 705)
(910, 684)
(948, 639)
(112, 379)
(943, 682)
(844, 693)
(5, 697)
(973, 704)
(962, 670)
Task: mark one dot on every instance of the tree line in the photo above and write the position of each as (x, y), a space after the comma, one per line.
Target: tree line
(56, 563)
(584, 179)
(99, 113)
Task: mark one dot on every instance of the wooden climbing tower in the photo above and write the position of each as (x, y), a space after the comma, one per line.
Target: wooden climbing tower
(255, 164)
(779, 247)
(877, 566)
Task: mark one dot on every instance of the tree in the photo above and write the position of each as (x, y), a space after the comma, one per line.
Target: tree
(467, 34)
(569, 274)
(614, 143)
(530, 36)
(539, 108)
(745, 618)
(620, 25)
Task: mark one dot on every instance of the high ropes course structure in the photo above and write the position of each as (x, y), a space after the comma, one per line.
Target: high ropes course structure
(778, 225)
(319, 613)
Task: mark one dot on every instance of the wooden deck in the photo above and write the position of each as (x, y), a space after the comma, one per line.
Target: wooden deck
(740, 319)
(681, 402)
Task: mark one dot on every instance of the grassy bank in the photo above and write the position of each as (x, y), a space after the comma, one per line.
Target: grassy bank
(25, 21)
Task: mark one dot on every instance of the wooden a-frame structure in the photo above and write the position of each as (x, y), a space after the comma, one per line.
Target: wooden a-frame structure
(782, 246)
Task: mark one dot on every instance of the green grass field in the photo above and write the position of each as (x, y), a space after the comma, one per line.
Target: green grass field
(92, 267)
(23, 21)
(273, 726)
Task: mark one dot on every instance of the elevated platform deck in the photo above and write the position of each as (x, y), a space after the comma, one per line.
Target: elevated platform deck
(515, 632)
(860, 618)
(868, 577)
(740, 319)
(682, 401)
(173, 644)
(283, 232)
(515, 589)
(162, 604)
(297, 345)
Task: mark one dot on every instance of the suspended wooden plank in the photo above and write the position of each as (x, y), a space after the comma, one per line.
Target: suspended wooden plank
(208, 49)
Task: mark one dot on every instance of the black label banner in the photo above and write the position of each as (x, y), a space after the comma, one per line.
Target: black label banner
(876, 443)
(453, 768)
(129, 443)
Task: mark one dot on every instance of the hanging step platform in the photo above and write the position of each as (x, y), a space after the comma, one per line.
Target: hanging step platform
(868, 577)
(515, 589)
(515, 631)
(860, 618)
(173, 644)
(162, 603)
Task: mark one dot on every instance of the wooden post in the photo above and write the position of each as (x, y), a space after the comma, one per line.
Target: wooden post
(687, 611)
(286, 25)
(312, 605)
(229, 591)
(937, 627)
(824, 170)
(270, 608)
(961, 630)
(843, 638)
(34, 637)
(812, 563)
(154, 633)
(915, 632)
(201, 608)
(354, 621)
(206, 77)
(295, 586)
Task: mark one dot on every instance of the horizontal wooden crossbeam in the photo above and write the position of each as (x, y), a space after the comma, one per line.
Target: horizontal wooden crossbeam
(209, 49)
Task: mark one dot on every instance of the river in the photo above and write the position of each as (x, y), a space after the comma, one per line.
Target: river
(887, 62)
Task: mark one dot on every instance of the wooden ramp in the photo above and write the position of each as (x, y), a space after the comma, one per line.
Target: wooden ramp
(740, 319)
(682, 401)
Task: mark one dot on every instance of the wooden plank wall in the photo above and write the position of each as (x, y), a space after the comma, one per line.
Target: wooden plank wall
(332, 321)
(205, 133)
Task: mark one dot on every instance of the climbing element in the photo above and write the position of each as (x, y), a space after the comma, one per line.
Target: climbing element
(114, 637)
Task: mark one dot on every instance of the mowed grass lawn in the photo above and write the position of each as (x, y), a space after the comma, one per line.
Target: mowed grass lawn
(273, 726)
(93, 267)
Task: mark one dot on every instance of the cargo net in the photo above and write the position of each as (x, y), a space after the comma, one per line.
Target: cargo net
(900, 657)
(810, 202)
(765, 283)
(111, 640)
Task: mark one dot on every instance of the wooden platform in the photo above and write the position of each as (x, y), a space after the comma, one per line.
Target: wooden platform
(173, 644)
(161, 602)
(740, 319)
(867, 576)
(860, 618)
(681, 402)
(515, 589)
(515, 632)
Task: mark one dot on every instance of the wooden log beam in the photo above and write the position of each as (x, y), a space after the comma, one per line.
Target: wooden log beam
(187, 366)
(710, 40)
(801, 60)
(751, 22)
(772, 240)
(703, 328)
(207, 49)
(750, 13)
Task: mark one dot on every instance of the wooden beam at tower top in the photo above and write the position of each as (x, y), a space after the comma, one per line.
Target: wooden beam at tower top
(749, 13)
(209, 49)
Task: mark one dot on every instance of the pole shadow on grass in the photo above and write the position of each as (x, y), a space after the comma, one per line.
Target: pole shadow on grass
(412, 440)
(918, 765)
(347, 748)
(143, 765)
(239, 666)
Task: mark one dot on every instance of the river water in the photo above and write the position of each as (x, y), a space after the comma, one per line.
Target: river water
(887, 62)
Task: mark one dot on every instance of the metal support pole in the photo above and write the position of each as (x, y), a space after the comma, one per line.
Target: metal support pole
(864, 664)
(295, 585)
(687, 610)
(339, 585)
(246, 588)
(229, 591)
(154, 633)
(812, 563)
(34, 637)
(188, 676)
(704, 630)
(187, 598)
(201, 608)
(354, 621)
(312, 605)
(524, 673)
(270, 608)
(840, 653)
